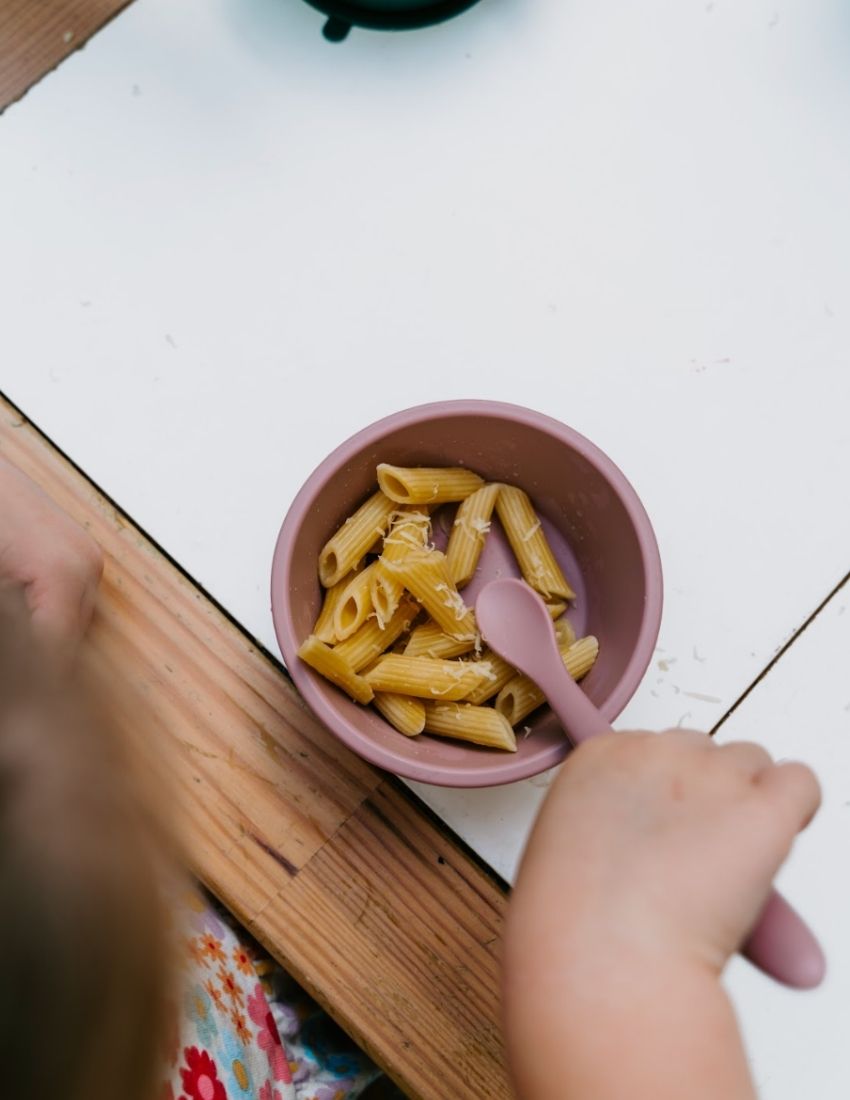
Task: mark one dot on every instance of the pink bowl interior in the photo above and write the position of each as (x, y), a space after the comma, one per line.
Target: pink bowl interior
(595, 522)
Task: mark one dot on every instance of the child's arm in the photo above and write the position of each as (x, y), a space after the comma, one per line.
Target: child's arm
(82, 923)
(649, 864)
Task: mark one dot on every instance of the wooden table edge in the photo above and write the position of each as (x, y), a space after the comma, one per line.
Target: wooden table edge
(36, 38)
(369, 901)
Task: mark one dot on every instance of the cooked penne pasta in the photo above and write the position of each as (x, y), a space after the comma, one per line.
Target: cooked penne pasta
(329, 664)
(426, 677)
(521, 695)
(427, 485)
(430, 640)
(324, 628)
(503, 673)
(425, 575)
(580, 656)
(364, 640)
(385, 592)
(530, 546)
(372, 639)
(564, 633)
(341, 553)
(481, 725)
(402, 711)
(469, 531)
(410, 530)
(355, 604)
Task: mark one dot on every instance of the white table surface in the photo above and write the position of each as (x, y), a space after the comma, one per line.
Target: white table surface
(227, 245)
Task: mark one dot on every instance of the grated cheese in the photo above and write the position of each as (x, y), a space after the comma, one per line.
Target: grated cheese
(538, 569)
(408, 529)
(475, 525)
(457, 672)
(453, 601)
(400, 538)
(532, 531)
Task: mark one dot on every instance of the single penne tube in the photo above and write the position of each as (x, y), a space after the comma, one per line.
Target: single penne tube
(530, 546)
(564, 633)
(520, 696)
(341, 553)
(385, 592)
(328, 663)
(480, 725)
(410, 530)
(427, 484)
(580, 656)
(403, 712)
(470, 528)
(430, 640)
(426, 677)
(324, 628)
(372, 639)
(355, 604)
(425, 574)
(503, 673)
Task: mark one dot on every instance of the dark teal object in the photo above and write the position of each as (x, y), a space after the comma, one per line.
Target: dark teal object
(385, 15)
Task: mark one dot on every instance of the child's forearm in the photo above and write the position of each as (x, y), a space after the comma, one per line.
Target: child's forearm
(610, 1031)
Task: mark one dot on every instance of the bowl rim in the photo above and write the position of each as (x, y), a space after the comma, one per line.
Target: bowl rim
(502, 770)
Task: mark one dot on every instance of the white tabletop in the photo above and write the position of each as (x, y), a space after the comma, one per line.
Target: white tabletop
(227, 245)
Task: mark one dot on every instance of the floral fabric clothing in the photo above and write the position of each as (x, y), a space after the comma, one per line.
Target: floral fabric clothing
(243, 1030)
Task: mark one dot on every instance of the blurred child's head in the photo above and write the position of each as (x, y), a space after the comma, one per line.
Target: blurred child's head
(82, 944)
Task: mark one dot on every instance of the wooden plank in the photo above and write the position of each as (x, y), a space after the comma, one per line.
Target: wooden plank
(36, 36)
(330, 864)
(378, 876)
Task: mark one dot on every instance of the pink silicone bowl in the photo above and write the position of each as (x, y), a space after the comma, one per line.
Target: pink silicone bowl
(599, 531)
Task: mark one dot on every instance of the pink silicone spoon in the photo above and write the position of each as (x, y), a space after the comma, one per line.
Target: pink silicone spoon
(516, 624)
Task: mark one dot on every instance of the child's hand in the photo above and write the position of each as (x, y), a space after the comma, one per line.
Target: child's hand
(647, 868)
(50, 557)
(663, 844)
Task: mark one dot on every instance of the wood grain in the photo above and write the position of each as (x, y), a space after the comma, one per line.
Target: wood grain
(35, 35)
(330, 864)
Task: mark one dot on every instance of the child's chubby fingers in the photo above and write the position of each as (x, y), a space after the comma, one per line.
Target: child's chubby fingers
(792, 792)
(746, 757)
(790, 785)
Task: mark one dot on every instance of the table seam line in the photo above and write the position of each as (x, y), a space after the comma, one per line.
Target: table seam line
(780, 653)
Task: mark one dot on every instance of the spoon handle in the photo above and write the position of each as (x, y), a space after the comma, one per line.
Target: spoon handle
(781, 944)
(579, 717)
